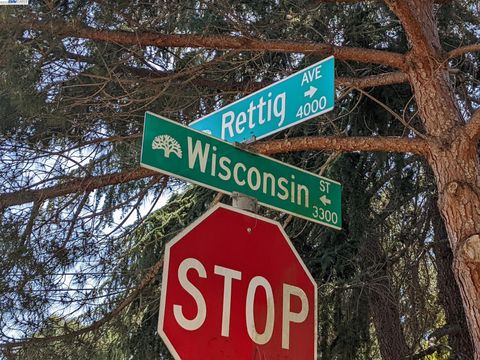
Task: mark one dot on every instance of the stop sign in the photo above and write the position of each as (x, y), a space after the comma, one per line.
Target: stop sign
(235, 288)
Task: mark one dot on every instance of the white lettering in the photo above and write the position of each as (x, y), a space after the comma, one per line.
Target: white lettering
(258, 179)
(251, 328)
(288, 316)
(257, 113)
(261, 104)
(228, 125)
(312, 74)
(318, 72)
(213, 163)
(199, 319)
(324, 186)
(197, 152)
(250, 111)
(292, 190)
(204, 157)
(235, 173)
(281, 184)
(228, 173)
(304, 79)
(279, 111)
(304, 189)
(228, 275)
(269, 107)
(241, 119)
(266, 177)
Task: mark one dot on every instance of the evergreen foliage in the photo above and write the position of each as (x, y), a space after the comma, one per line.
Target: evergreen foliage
(72, 109)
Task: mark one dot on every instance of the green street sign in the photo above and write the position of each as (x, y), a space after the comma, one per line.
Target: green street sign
(285, 103)
(192, 155)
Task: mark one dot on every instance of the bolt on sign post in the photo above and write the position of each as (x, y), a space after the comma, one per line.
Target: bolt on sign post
(234, 287)
(290, 101)
(183, 152)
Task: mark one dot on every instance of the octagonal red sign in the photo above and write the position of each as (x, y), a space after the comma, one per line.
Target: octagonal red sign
(234, 287)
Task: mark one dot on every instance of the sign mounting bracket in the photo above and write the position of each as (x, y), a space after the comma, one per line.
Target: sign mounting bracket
(244, 202)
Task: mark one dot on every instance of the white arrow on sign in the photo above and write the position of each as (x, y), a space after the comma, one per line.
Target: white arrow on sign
(325, 201)
(310, 92)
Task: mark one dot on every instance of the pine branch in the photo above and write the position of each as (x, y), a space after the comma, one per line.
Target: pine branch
(344, 144)
(147, 279)
(220, 42)
(444, 331)
(78, 185)
(416, 17)
(472, 128)
(391, 78)
(463, 50)
(429, 351)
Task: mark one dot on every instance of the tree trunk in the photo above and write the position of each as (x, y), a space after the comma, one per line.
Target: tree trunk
(453, 154)
(383, 303)
(456, 172)
(454, 160)
(386, 319)
(455, 164)
(449, 295)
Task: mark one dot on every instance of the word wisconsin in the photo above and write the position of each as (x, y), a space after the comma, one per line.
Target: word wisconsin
(180, 151)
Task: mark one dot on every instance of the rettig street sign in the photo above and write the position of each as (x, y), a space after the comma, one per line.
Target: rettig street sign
(183, 152)
(234, 287)
(290, 101)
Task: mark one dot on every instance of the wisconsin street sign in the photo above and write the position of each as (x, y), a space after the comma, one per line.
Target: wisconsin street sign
(297, 98)
(178, 150)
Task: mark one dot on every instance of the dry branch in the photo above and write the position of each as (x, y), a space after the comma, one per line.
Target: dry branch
(147, 38)
(391, 78)
(77, 185)
(344, 144)
(373, 80)
(472, 128)
(429, 351)
(463, 50)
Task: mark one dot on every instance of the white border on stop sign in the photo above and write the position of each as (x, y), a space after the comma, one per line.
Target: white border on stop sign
(189, 228)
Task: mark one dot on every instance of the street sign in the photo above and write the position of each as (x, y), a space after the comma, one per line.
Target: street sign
(297, 98)
(183, 152)
(234, 287)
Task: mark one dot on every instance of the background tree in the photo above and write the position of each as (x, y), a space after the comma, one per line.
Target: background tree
(75, 80)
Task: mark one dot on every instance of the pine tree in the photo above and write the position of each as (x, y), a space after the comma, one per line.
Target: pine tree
(75, 80)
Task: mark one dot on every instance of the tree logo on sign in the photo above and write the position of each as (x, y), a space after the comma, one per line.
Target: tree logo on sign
(168, 144)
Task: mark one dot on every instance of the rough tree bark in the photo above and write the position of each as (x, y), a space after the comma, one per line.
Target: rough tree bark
(449, 295)
(72, 186)
(453, 154)
(382, 303)
(459, 203)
